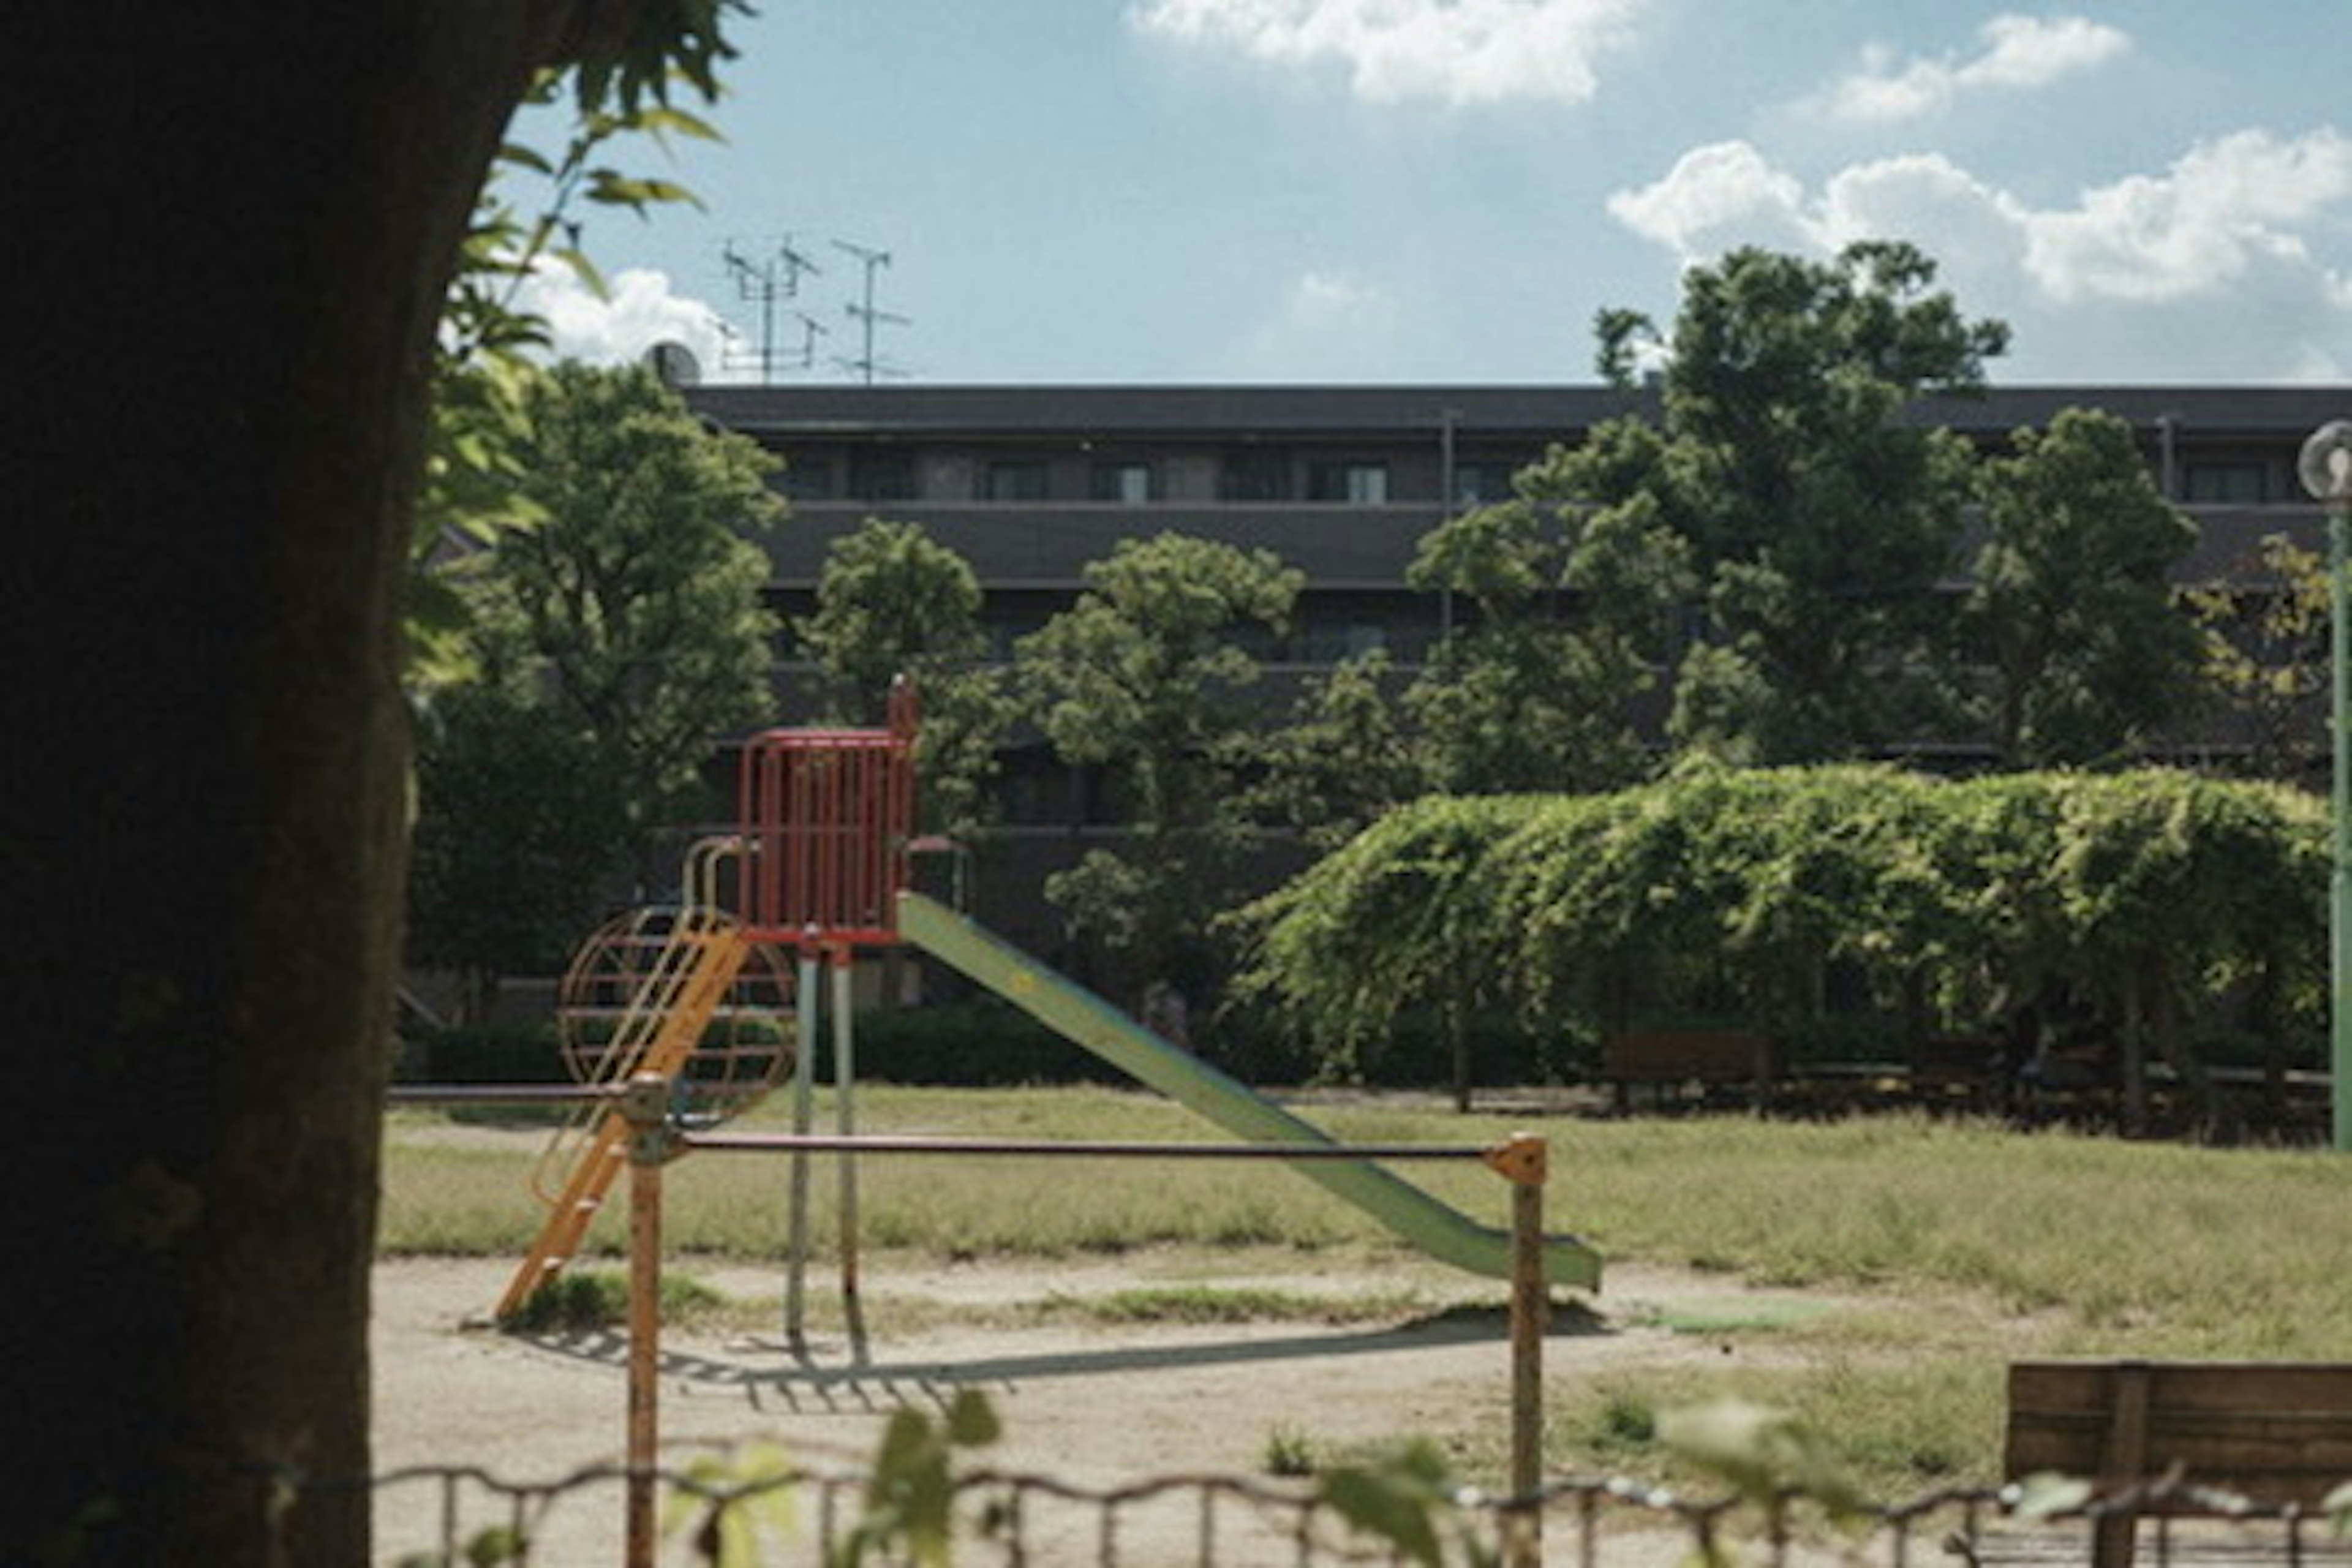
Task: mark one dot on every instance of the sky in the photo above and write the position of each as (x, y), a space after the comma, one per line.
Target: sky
(1186, 192)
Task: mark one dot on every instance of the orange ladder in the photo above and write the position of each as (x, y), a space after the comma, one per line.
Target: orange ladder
(673, 1005)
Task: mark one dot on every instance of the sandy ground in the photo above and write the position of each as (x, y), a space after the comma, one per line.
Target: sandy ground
(1094, 1406)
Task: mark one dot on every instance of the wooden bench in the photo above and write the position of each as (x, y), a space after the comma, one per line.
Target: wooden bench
(1666, 1060)
(2277, 1432)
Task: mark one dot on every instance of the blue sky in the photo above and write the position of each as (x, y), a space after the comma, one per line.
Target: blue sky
(1447, 191)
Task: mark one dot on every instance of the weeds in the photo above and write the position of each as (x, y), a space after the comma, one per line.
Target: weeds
(1967, 1244)
(597, 1301)
(1288, 1452)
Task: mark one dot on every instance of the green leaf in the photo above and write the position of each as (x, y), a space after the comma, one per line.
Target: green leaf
(2046, 1494)
(586, 271)
(1760, 1451)
(971, 1420)
(1401, 1498)
(2337, 1506)
(524, 157)
(667, 119)
(610, 187)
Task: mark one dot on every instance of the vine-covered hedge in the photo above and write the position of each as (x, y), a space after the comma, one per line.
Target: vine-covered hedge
(2179, 908)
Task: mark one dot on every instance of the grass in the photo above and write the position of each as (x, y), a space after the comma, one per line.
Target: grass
(1966, 1244)
(1289, 1452)
(594, 1300)
(1208, 1304)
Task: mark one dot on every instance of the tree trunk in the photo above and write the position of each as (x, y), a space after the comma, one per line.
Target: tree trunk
(223, 348)
(1457, 1031)
(2135, 1058)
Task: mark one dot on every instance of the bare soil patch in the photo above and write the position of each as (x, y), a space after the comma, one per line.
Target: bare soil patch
(1095, 1405)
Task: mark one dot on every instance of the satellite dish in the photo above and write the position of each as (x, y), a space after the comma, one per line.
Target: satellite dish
(674, 364)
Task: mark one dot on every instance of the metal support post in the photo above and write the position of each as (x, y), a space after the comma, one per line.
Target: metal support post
(796, 1237)
(844, 1076)
(645, 1106)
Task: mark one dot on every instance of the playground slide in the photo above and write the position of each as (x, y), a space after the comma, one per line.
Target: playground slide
(1078, 1013)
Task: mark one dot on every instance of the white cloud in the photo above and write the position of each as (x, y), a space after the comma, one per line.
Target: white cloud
(2018, 53)
(1328, 326)
(2222, 212)
(1718, 196)
(1455, 51)
(639, 312)
(2235, 251)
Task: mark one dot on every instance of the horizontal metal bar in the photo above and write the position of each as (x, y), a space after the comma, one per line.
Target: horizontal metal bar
(886, 1144)
(499, 1093)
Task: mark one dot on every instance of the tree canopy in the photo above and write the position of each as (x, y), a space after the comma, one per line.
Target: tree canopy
(894, 602)
(1821, 521)
(1143, 678)
(634, 605)
(2072, 610)
(1738, 891)
(1571, 606)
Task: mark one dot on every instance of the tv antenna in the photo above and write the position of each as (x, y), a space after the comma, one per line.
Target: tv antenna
(767, 356)
(765, 281)
(865, 314)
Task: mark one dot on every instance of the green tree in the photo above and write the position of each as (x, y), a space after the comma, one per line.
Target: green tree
(893, 602)
(2268, 626)
(521, 830)
(2071, 612)
(1143, 678)
(205, 841)
(636, 605)
(1342, 759)
(2166, 901)
(489, 352)
(1821, 522)
(1571, 604)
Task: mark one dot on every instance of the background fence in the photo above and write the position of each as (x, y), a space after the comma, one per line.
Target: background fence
(763, 1509)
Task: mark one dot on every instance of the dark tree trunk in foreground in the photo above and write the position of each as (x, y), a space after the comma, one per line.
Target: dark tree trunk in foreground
(230, 229)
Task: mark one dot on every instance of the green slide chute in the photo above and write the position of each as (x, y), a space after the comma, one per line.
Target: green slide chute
(1077, 1014)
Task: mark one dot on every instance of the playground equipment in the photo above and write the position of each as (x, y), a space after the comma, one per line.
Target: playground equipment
(745, 1048)
(1075, 1013)
(819, 870)
(826, 817)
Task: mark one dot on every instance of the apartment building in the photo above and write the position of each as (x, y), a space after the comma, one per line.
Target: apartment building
(1031, 483)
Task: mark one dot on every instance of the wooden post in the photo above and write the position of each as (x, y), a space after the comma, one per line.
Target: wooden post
(2125, 1466)
(645, 1106)
(1524, 1161)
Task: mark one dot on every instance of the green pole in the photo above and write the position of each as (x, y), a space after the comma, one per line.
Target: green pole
(2339, 891)
(2324, 467)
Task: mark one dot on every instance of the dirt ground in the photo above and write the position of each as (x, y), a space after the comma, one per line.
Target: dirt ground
(1093, 1405)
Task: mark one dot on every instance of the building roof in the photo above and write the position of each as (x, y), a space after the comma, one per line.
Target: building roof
(1275, 411)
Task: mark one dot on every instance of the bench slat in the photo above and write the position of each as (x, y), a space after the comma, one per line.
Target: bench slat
(2277, 1431)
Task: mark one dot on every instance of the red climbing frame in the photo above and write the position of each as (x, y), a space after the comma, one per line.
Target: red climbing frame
(827, 814)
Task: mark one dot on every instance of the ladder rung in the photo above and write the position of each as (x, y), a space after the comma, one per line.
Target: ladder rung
(676, 1006)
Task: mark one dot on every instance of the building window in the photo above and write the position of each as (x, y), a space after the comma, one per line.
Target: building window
(1322, 641)
(808, 478)
(1015, 480)
(1254, 476)
(1129, 484)
(2227, 482)
(1356, 483)
(883, 475)
(1482, 484)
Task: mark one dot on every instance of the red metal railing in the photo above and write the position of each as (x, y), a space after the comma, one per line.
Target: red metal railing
(828, 817)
